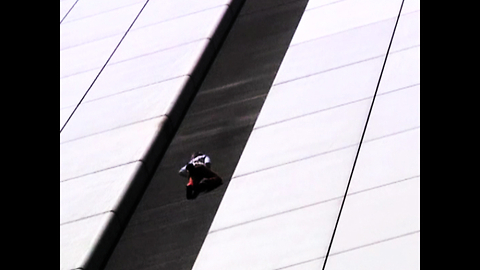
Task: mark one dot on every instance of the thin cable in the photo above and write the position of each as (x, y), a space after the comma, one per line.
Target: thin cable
(68, 12)
(361, 139)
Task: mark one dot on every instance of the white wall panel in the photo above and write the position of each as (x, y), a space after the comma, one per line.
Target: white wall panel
(301, 151)
(87, 57)
(72, 88)
(88, 36)
(110, 143)
(303, 137)
(65, 6)
(395, 112)
(320, 92)
(146, 70)
(401, 70)
(123, 109)
(320, 3)
(378, 214)
(162, 10)
(78, 239)
(380, 223)
(335, 51)
(395, 254)
(283, 200)
(95, 193)
(89, 8)
(169, 34)
(139, 42)
(64, 114)
(271, 243)
(108, 149)
(407, 34)
(340, 16)
(97, 27)
(283, 189)
(410, 6)
(306, 265)
(396, 158)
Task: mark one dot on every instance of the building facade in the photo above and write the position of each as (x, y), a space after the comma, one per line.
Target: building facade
(308, 109)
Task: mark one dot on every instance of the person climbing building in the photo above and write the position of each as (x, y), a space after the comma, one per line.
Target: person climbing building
(199, 174)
